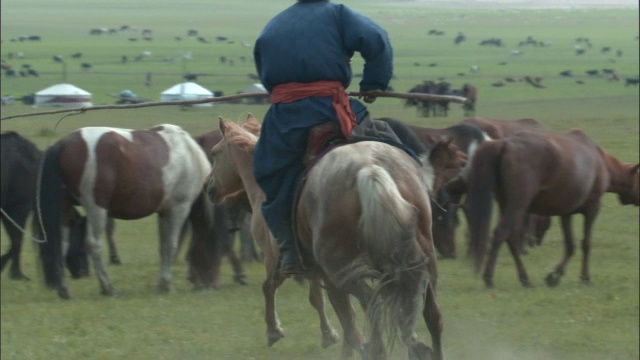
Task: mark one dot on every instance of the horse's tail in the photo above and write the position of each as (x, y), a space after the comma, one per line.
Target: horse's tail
(48, 216)
(388, 224)
(481, 181)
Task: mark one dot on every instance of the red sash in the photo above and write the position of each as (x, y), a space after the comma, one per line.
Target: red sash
(290, 92)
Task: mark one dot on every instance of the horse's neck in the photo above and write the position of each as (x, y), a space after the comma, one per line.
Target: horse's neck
(429, 174)
(254, 192)
(620, 179)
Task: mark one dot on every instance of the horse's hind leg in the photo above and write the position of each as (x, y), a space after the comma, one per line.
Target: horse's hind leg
(589, 218)
(96, 223)
(316, 298)
(340, 300)
(433, 319)
(238, 270)
(113, 251)
(16, 236)
(569, 247)
(170, 223)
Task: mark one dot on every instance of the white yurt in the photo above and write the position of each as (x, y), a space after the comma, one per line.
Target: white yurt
(256, 88)
(186, 91)
(63, 95)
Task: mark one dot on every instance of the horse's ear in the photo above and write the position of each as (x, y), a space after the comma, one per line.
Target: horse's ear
(221, 124)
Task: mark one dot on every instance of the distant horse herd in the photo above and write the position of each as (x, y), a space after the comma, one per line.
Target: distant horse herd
(440, 108)
(386, 223)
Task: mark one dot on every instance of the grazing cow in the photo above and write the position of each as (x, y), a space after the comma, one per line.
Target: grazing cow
(58, 58)
(86, 66)
(631, 81)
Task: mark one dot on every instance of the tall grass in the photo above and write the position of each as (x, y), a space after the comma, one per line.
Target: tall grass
(572, 321)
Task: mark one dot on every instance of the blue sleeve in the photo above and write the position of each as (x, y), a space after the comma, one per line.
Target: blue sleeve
(363, 35)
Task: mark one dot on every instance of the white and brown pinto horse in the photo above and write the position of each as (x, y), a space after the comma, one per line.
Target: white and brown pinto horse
(124, 174)
(363, 214)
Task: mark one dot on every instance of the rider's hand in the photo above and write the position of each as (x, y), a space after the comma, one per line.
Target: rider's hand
(369, 96)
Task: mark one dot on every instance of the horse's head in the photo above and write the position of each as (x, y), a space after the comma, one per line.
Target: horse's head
(632, 195)
(231, 156)
(445, 155)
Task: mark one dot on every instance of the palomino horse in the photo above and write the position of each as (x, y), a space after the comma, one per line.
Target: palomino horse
(350, 238)
(568, 176)
(125, 174)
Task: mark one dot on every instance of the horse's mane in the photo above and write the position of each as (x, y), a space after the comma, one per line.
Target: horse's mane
(241, 135)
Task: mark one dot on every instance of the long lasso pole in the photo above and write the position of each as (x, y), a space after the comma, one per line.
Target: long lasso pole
(382, 94)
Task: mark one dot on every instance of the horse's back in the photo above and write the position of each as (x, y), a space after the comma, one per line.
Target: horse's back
(330, 197)
(497, 128)
(562, 171)
(157, 167)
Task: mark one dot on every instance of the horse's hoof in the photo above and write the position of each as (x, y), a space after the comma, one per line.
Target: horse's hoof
(114, 260)
(19, 276)
(585, 281)
(240, 279)
(165, 289)
(110, 292)
(64, 293)
(526, 283)
(274, 336)
(420, 351)
(552, 280)
(329, 338)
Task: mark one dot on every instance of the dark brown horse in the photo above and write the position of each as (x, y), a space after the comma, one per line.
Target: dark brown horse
(544, 173)
(20, 163)
(124, 174)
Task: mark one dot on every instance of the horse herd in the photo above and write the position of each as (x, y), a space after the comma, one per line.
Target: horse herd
(365, 210)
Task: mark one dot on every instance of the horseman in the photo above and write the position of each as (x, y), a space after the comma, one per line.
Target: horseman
(303, 59)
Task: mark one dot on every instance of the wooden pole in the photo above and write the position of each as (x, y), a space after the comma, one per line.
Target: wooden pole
(381, 94)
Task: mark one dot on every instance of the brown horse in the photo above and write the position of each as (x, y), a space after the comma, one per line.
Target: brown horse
(124, 174)
(544, 173)
(349, 238)
(466, 138)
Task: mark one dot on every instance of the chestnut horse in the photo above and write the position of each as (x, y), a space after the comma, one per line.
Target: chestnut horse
(567, 177)
(348, 238)
(124, 174)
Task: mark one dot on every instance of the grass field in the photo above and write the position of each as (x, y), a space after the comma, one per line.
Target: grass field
(572, 321)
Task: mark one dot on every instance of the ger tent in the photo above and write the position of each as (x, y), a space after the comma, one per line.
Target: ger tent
(186, 91)
(63, 95)
(256, 88)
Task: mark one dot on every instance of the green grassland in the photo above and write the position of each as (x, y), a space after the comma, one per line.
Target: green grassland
(572, 321)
